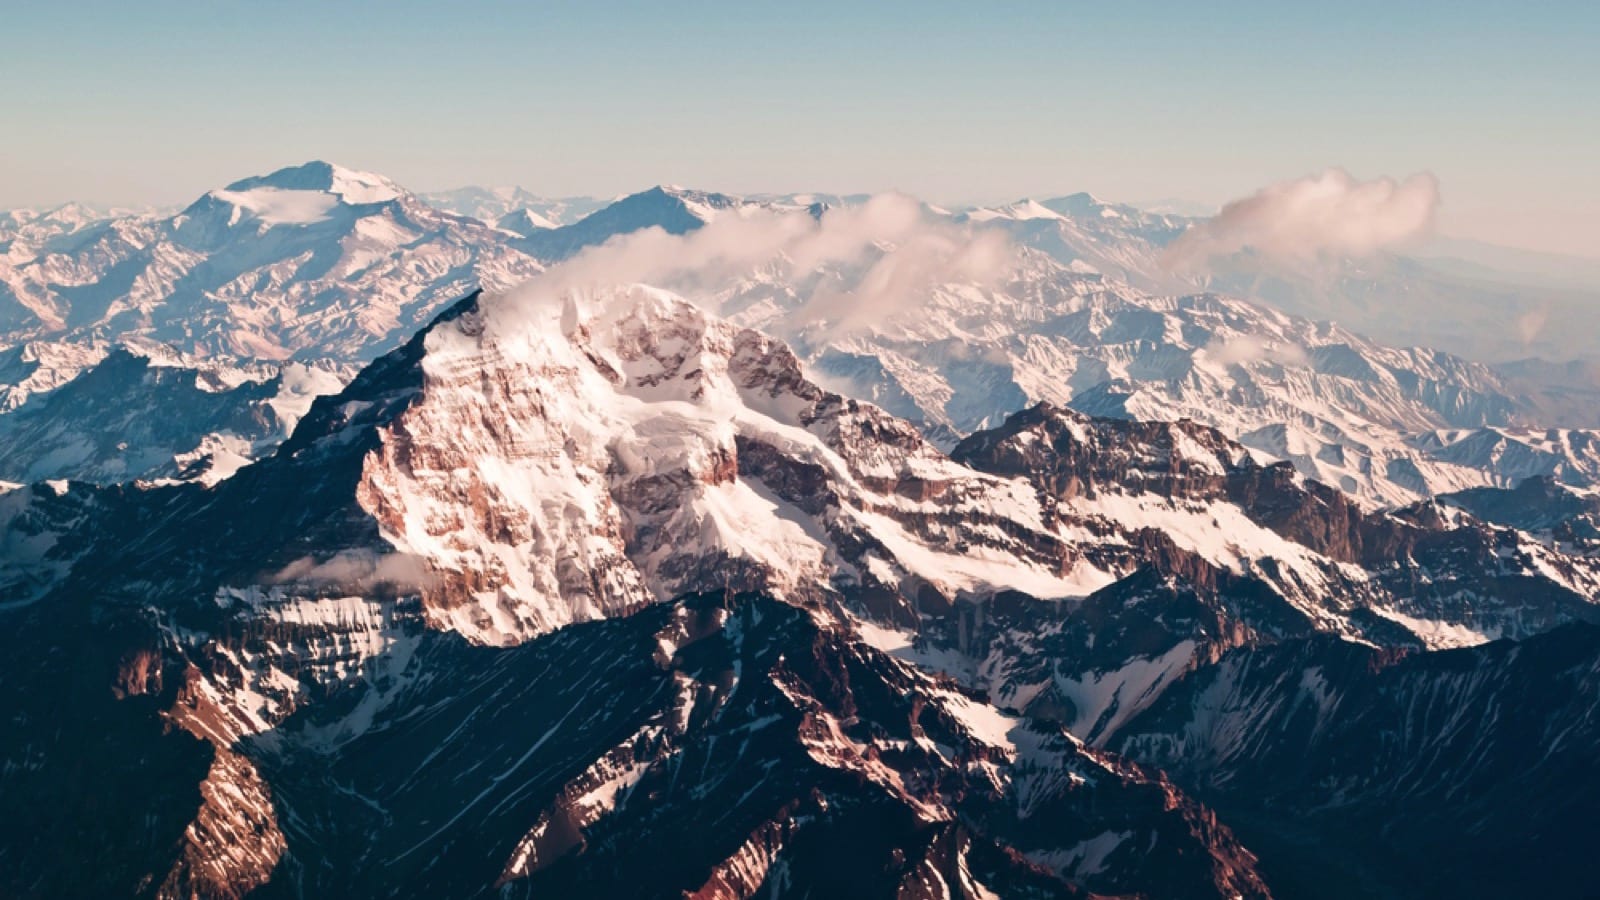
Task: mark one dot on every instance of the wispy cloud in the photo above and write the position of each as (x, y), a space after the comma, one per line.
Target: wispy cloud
(885, 255)
(1251, 349)
(1299, 222)
(354, 569)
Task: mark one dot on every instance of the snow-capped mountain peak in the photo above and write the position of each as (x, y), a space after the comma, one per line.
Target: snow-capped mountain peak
(314, 261)
(296, 196)
(350, 185)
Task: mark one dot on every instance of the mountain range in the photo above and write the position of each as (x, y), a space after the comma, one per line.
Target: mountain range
(328, 268)
(724, 547)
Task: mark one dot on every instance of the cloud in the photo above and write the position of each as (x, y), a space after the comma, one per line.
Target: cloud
(1531, 323)
(1331, 215)
(881, 257)
(354, 568)
(1249, 348)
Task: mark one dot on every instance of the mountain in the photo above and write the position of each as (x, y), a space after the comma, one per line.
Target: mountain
(1506, 306)
(241, 307)
(1342, 408)
(524, 222)
(1565, 393)
(22, 231)
(1571, 456)
(490, 204)
(1479, 258)
(559, 576)
(310, 262)
(1538, 505)
(1089, 235)
(511, 519)
(38, 367)
(142, 411)
(590, 759)
(673, 209)
(831, 576)
(1352, 772)
(332, 267)
(1233, 554)
(1492, 317)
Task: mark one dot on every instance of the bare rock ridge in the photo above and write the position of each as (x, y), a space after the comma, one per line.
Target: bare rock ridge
(610, 593)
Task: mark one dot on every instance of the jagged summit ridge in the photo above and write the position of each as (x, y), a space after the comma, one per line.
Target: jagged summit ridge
(637, 448)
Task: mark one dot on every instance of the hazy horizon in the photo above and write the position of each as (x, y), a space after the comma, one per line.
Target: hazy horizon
(157, 103)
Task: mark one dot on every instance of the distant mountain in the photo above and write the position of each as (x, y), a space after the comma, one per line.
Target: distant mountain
(1492, 317)
(332, 267)
(1539, 505)
(1569, 456)
(1342, 408)
(1089, 235)
(674, 210)
(331, 566)
(141, 411)
(493, 204)
(1505, 306)
(1565, 393)
(1480, 259)
(309, 262)
(524, 222)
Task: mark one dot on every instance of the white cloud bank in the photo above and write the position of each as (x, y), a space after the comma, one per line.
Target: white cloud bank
(888, 252)
(1299, 222)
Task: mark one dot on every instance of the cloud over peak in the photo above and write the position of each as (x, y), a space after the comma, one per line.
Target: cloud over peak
(1298, 222)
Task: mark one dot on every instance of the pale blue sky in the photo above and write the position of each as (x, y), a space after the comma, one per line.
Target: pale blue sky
(159, 101)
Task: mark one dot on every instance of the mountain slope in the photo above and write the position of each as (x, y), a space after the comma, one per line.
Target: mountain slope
(558, 577)
(318, 262)
(313, 261)
(1342, 408)
(1410, 772)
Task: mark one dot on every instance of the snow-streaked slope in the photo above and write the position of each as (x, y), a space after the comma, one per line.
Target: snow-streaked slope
(567, 464)
(321, 262)
(1230, 554)
(532, 462)
(142, 411)
(1088, 235)
(403, 581)
(1339, 406)
(315, 261)
(1403, 763)
(1490, 313)
(1571, 456)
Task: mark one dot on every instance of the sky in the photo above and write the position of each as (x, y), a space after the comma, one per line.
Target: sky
(157, 102)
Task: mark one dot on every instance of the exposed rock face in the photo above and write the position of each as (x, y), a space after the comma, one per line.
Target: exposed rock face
(1220, 553)
(1406, 772)
(732, 746)
(576, 466)
(612, 597)
(233, 845)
